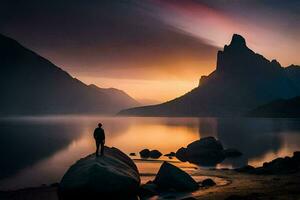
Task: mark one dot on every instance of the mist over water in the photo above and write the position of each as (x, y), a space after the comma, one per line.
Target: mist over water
(38, 150)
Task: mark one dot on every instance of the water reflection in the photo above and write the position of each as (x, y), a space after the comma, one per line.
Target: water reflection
(40, 149)
(23, 143)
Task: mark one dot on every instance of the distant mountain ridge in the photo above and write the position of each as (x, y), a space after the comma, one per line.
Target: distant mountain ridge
(279, 108)
(242, 81)
(30, 84)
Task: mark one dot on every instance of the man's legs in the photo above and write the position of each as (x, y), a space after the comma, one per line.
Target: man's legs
(97, 148)
(102, 148)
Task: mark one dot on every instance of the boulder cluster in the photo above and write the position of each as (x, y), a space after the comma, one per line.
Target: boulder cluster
(146, 153)
(115, 176)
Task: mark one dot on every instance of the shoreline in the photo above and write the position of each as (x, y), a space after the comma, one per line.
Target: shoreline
(239, 184)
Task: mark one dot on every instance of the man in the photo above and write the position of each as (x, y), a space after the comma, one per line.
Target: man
(99, 136)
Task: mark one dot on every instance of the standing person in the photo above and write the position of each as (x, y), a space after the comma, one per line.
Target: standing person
(99, 136)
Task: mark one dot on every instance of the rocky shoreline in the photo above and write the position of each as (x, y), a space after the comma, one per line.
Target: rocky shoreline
(239, 186)
(116, 176)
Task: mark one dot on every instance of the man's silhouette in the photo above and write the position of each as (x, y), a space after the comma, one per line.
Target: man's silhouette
(99, 136)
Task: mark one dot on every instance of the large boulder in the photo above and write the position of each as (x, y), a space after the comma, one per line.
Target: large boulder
(206, 151)
(148, 190)
(181, 154)
(206, 143)
(170, 177)
(110, 176)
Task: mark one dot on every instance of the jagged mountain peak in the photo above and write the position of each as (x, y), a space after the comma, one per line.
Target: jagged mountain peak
(238, 41)
(242, 80)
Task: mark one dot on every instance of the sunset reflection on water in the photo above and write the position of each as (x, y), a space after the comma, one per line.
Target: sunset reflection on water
(65, 139)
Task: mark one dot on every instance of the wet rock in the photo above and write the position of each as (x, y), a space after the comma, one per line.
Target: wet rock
(155, 154)
(232, 153)
(208, 182)
(145, 153)
(171, 177)
(172, 154)
(278, 166)
(181, 154)
(205, 157)
(206, 143)
(206, 151)
(108, 176)
(286, 165)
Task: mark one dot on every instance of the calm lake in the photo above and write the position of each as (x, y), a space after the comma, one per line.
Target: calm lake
(38, 150)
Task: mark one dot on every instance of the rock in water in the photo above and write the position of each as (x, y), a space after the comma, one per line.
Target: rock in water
(171, 177)
(208, 182)
(181, 154)
(207, 143)
(206, 151)
(109, 177)
(155, 154)
(171, 154)
(145, 153)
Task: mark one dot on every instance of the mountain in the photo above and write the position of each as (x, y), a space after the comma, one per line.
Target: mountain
(30, 84)
(279, 108)
(293, 72)
(242, 80)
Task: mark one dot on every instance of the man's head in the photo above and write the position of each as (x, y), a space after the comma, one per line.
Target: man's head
(99, 125)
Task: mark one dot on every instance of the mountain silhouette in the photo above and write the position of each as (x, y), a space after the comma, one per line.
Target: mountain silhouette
(30, 84)
(279, 108)
(293, 72)
(242, 80)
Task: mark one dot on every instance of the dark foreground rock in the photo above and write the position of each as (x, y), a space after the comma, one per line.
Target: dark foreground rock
(286, 165)
(109, 177)
(208, 183)
(148, 190)
(170, 177)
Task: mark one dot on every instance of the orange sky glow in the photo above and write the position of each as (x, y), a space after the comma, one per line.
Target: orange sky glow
(155, 50)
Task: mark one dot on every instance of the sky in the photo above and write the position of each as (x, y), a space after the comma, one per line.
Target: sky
(154, 50)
